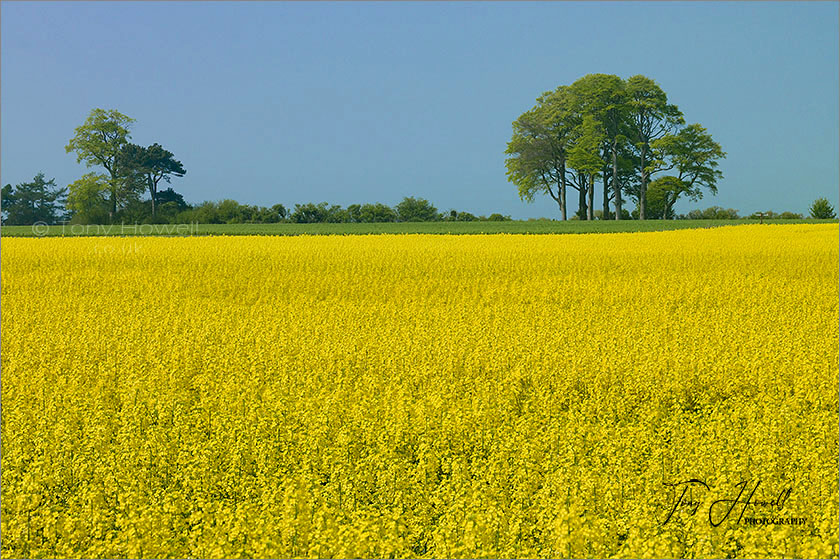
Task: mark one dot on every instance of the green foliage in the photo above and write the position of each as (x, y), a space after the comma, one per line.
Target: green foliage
(277, 213)
(138, 211)
(376, 213)
(168, 196)
(790, 216)
(222, 212)
(622, 131)
(539, 146)
(151, 164)
(88, 199)
(100, 139)
(714, 213)
(694, 155)
(584, 156)
(662, 193)
(311, 213)
(455, 216)
(822, 209)
(37, 201)
(231, 212)
(99, 142)
(416, 210)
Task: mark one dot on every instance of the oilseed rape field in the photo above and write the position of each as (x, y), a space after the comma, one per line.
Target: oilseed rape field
(658, 394)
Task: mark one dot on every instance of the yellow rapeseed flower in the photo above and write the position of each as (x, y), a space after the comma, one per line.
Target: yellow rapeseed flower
(419, 396)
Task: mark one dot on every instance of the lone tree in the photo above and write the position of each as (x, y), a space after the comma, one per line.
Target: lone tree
(36, 201)
(822, 210)
(152, 164)
(99, 142)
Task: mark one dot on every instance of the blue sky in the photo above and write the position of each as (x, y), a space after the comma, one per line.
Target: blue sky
(345, 102)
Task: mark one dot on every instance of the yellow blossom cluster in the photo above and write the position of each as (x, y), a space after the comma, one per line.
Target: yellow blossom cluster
(422, 395)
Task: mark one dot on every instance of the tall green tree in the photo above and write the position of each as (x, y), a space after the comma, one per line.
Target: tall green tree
(539, 148)
(36, 201)
(99, 142)
(585, 159)
(650, 117)
(604, 98)
(695, 156)
(153, 163)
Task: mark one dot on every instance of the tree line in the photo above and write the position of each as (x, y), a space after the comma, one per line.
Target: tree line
(599, 128)
(624, 133)
(41, 201)
(126, 172)
(410, 209)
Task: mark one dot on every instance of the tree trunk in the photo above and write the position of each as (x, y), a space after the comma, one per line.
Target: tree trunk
(606, 210)
(153, 192)
(616, 189)
(563, 205)
(589, 207)
(113, 211)
(581, 197)
(643, 188)
(669, 204)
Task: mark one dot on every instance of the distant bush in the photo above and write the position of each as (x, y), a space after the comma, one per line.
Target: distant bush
(311, 213)
(790, 216)
(625, 215)
(713, 213)
(770, 215)
(171, 208)
(416, 210)
(376, 213)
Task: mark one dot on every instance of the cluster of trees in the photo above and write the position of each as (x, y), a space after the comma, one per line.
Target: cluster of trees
(130, 171)
(127, 171)
(36, 201)
(624, 133)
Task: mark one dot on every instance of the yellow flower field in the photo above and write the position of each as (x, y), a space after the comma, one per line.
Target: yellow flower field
(431, 396)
